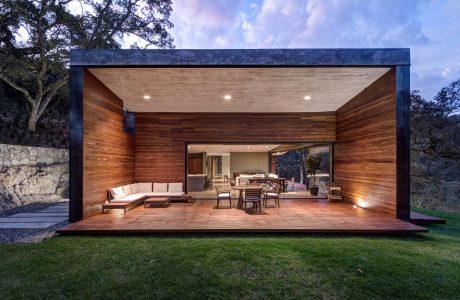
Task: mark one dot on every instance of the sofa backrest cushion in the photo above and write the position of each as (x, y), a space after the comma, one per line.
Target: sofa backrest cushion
(127, 189)
(144, 187)
(160, 187)
(175, 187)
(134, 188)
(117, 192)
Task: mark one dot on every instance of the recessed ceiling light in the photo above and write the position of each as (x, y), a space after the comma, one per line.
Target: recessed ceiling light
(307, 98)
(227, 97)
(147, 97)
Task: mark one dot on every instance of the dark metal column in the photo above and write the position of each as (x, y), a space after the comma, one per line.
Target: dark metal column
(403, 142)
(76, 144)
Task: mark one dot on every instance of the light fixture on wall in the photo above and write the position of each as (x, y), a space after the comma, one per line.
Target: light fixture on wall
(227, 97)
(146, 97)
(307, 98)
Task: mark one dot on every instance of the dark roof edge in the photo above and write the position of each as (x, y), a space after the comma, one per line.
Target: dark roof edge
(240, 57)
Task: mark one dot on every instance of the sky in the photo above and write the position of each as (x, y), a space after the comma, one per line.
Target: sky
(430, 28)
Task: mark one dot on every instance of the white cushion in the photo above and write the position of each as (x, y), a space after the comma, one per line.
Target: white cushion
(132, 197)
(117, 192)
(160, 187)
(224, 194)
(175, 187)
(145, 187)
(134, 188)
(167, 194)
(127, 189)
(272, 194)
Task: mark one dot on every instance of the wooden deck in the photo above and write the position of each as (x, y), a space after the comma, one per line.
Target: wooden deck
(306, 216)
(421, 219)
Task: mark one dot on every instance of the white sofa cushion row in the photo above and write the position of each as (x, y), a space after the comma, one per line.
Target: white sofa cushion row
(136, 191)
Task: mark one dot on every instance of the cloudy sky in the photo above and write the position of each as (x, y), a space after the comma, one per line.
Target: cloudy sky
(431, 28)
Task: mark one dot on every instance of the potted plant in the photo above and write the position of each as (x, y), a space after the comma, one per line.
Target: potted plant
(312, 164)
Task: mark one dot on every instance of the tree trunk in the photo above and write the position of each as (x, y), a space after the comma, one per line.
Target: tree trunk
(33, 116)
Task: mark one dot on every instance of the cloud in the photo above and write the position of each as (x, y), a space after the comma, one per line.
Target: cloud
(429, 28)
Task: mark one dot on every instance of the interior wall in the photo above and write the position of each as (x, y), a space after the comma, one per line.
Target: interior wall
(160, 144)
(226, 165)
(365, 149)
(248, 161)
(108, 152)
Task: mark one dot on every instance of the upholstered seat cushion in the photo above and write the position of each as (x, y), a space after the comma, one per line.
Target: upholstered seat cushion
(130, 198)
(271, 194)
(175, 187)
(144, 187)
(160, 187)
(165, 194)
(224, 194)
(117, 192)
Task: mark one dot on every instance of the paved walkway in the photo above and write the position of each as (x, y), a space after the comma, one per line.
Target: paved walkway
(45, 218)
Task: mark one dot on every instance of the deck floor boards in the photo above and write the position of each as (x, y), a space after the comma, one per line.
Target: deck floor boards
(201, 216)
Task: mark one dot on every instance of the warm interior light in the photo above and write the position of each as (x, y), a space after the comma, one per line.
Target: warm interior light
(147, 97)
(354, 206)
(249, 147)
(227, 97)
(307, 98)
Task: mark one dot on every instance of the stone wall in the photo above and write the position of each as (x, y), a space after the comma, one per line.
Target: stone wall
(32, 174)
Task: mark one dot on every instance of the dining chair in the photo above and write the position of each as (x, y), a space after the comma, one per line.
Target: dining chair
(253, 196)
(273, 194)
(223, 195)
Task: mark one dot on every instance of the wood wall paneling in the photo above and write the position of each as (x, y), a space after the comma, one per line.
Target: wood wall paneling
(108, 151)
(161, 137)
(365, 149)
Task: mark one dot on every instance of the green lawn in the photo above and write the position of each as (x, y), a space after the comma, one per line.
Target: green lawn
(422, 266)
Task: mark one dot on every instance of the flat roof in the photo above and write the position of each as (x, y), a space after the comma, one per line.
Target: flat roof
(239, 57)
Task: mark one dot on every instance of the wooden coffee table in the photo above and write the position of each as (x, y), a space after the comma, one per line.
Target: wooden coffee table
(157, 202)
(116, 205)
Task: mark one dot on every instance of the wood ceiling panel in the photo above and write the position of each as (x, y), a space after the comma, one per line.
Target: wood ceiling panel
(252, 89)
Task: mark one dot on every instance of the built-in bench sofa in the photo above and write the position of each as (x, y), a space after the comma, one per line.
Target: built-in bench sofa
(136, 193)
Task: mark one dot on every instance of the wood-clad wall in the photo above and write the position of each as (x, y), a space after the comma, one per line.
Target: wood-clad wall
(161, 137)
(365, 149)
(108, 152)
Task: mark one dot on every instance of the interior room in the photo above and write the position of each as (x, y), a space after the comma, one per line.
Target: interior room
(214, 166)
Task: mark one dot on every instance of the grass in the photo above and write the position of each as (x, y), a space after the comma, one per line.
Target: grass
(422, 266)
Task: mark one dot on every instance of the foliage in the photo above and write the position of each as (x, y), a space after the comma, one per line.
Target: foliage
(312, 165)
(36, 36)
(435, 149)
(241, 266)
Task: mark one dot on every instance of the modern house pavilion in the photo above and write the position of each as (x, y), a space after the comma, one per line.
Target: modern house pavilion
(137, 116)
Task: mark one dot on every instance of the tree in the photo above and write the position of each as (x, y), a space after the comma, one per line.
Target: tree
(313, 164)
(36, 36)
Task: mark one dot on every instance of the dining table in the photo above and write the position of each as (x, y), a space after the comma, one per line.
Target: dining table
(242, 188)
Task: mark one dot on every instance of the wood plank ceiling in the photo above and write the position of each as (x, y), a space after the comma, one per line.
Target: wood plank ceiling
(253, 90)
